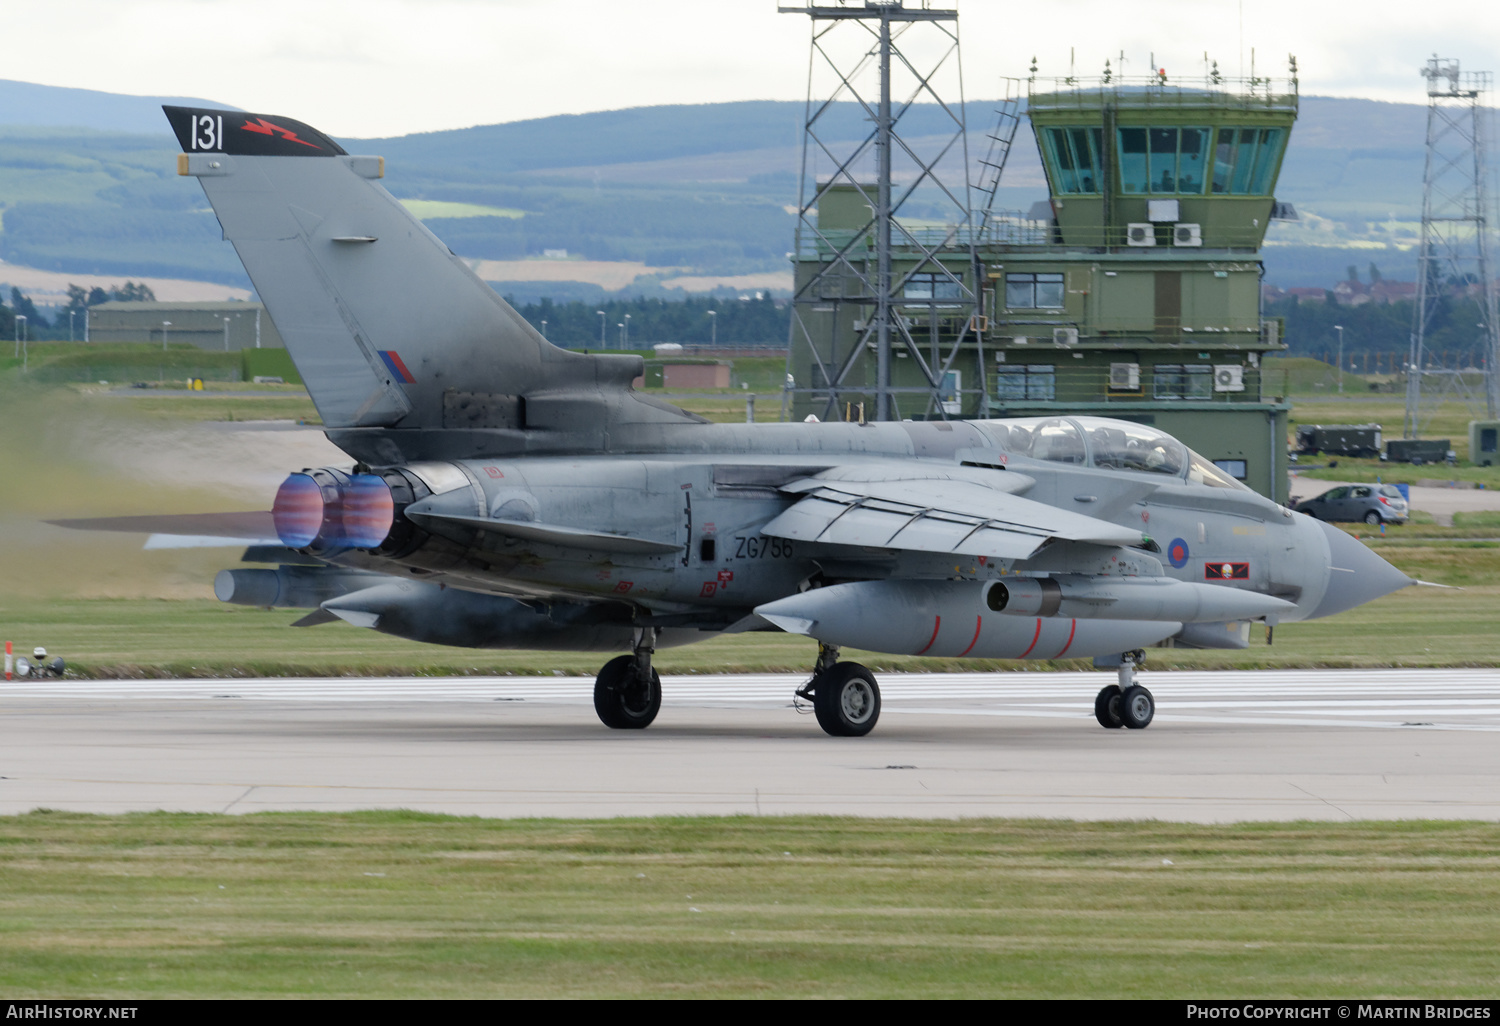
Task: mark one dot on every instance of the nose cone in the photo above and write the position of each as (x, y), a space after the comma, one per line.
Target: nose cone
(1355, 575)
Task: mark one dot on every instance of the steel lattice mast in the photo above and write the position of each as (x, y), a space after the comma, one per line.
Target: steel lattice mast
(849, 43)
(1454, 254)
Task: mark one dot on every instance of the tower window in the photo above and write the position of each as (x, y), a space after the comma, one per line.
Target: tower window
(1034, 291)
(1022, 381)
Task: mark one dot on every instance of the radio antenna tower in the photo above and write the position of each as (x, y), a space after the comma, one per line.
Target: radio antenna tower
(871, 65)
(1453, 263)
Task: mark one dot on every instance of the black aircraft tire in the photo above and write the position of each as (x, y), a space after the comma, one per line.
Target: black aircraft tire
(619, 699)
(1137, 708)
(846, 700)
(1107, 707)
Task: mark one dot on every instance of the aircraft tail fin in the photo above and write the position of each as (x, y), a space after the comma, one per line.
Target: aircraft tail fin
(385, 323)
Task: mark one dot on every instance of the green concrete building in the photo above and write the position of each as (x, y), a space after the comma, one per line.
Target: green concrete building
(220, 326)
(1134, 294)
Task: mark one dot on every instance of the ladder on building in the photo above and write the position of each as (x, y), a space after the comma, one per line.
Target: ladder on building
(992, 166)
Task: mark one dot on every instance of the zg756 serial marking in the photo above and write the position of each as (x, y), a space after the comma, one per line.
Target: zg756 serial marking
(761, 548)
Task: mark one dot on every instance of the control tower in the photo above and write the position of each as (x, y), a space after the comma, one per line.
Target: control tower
(1133, 292)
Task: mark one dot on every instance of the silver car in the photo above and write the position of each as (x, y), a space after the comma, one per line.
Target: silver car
(1373, 503)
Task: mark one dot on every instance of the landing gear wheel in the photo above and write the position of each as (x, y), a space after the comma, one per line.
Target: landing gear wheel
(846, 700)
(1137, 707)
(620, 698)
(1372, 518)
(1107, 707)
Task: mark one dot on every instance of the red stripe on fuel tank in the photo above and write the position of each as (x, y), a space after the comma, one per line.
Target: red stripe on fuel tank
(978, 622)
(1034, 638)
(936, 623)
(1071, 632)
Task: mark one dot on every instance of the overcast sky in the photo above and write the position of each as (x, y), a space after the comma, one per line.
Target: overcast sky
(362, 68)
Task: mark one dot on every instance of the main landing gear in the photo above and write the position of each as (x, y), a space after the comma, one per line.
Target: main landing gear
(627, 692)
(845, 696)
(1126, 704)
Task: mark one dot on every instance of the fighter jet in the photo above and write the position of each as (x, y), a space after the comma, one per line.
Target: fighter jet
(505, 493)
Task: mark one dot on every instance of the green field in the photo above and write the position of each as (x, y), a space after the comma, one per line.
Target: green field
(430, 210)
(392, 904)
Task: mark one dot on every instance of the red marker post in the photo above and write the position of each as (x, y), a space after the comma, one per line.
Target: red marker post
(9, 661)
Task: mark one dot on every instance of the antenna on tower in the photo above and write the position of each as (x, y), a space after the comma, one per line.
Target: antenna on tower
(1453, 261)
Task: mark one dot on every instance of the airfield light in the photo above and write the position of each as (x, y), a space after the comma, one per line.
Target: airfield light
(164, 326)
(625, 337)
(713, 327)
(23, 666)
(603, 344)
(1340, 329)
(226, 334)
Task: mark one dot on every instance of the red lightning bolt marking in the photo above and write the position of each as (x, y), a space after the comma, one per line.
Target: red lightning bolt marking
(263, 127)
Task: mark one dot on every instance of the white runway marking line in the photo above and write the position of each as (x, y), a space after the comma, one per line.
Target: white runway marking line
(1450, 699)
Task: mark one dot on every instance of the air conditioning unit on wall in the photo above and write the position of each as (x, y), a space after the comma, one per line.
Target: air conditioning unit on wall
(1065, 336)
(1125, 376)
(1139, 233)
(1185, 234)
(1229, 377)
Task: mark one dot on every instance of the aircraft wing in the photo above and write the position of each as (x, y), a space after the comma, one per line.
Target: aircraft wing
(938, 514)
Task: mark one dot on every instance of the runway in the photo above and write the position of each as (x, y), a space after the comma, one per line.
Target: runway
(1225, 746)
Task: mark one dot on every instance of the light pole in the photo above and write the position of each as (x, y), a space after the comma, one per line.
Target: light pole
(20, 320)
(20, 336)
(621, 326)
(602, 343)
(625, 338)
(226, 334)
(1340, 329)
(713, 328)
(71, 312)
(544, 329)
(164, 326)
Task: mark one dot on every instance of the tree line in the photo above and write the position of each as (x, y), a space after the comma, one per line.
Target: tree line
(1454, 333)
(79, 299)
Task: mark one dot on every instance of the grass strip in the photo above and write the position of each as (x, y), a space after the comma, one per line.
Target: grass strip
(399, 904)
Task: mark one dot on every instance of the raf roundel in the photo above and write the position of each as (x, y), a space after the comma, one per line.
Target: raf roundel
(1177, 553)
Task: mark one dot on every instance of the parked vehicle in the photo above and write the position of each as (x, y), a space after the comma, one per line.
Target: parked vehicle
(1373, 504)
(1339, 439)
(1418, 451)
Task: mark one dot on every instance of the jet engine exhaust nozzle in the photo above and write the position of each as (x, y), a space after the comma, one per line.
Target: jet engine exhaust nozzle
(328, 509)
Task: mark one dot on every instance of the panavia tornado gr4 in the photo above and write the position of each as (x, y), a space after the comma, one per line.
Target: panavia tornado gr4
(506, 493)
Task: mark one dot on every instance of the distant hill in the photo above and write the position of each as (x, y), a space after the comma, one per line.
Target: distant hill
(87, 184)
(26, 103)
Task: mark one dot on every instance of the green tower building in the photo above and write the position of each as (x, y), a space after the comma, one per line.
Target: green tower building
(1134, 294)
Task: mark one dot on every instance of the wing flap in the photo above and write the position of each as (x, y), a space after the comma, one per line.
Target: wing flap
(934, 515)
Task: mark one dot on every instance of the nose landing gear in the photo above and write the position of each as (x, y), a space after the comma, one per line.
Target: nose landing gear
(1126, 704)
(845, 696)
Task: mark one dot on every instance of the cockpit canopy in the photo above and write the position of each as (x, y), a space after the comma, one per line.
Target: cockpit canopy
(1108, 444)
